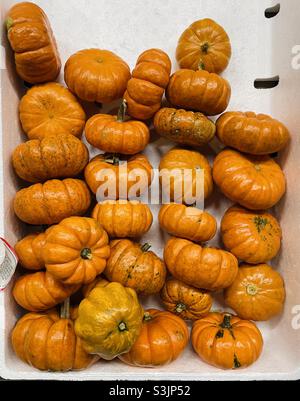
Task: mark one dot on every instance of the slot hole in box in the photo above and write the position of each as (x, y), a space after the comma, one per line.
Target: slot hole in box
(266, 83)
(271, 12)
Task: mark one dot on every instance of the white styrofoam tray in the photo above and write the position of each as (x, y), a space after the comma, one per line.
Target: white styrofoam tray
(262, 48)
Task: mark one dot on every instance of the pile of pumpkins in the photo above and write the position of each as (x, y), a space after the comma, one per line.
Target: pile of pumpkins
(96, 257)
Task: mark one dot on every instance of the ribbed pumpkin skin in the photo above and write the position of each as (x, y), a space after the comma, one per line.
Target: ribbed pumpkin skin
(76, 250)
(50, 109)
(109, 320)
(199, 91)
(226, 346)
(105, 132)
(184, 300)
(52, 157)
(204, 43)
(122, 219)
(208, 268)
(96, 75)
(255, 182)
(135, 165)
(149, 80)
(133, 267)
(31, 38)
(257, 292)
(184, 127)
(51, 202)
(252, 237)
(47, 342)
(162, 339)
(29, 251)
(40, 291)
(178, 158)
(187, 222)
(257, 134)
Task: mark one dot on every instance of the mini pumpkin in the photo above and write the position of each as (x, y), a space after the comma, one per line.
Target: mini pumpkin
(76, 250)
(40, 291)
(257, 292)
(96, 75)
(199, 91)
(50, 109)
(257, 134)
(52, 157)
(162, 339)
(185, 187)
(134, 266)
(47, 341)
(208, 268)
(29, 251)
(51, 202)
(184, 127)
(254, 237)
(31, 38)
(184, 300)
(204, 43)
(122, 218)
(109, 320)
(108, 176)
(187, 222)
(114, 134)
(226, 341)
(149, 80)
(255, 182)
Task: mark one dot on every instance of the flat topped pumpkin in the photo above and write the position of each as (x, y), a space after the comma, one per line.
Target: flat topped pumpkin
(97, 75)
(255, 182)
(31, 38)
(51, 109)
(253, 237)
(204, 43)
(257, 134)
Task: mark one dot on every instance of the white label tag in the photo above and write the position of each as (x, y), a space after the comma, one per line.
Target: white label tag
(8, 263)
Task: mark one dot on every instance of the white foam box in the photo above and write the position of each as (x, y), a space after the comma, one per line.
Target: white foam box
(262, 48)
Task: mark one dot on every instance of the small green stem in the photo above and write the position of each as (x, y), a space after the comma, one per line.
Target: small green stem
(112, 159)
(147, 317)
(122, 326)
(226, 324)
(122, 111)
(86, 253)
(65, 309)
(145, 247)
(204, 48)
(180, 307)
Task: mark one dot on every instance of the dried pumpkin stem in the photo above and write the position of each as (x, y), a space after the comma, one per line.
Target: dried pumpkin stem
(205, 47)
(65, 309)
(112, 159)
(201, 65)
(86, 253)
(122, 111)
(226, 324)
(180, 307)
(147, 317)
(122, 326)
(145, 247)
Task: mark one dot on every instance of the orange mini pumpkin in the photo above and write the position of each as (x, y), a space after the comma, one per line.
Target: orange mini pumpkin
(96, 75)
(52, 157)
(208, 268)
(50, 109)
(76, 250)
(226, 341)
(257, 292)
(184, 300)
(29, 251)
(162, 339)
(187, 222)
(204, 43)
(52, 201)
(199, 91)
(31, 38)
(252, 237)
(108, 171)
(134, 266)
(149, 80)
(48, 341)
(122, 218)
(114, 134)
(183, 187)
(257, 134)
(255, 182)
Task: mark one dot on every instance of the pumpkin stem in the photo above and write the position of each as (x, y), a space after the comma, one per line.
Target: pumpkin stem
(226, 324)
(9, 23)
(112, 159)
(251, 289)
(122, 111)
(65, 309)
(205, 47)
(145, 247)
(180, 307)
(122, 326)
(86, 253)
(147, 317)
(260, 223)
(201, 65)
